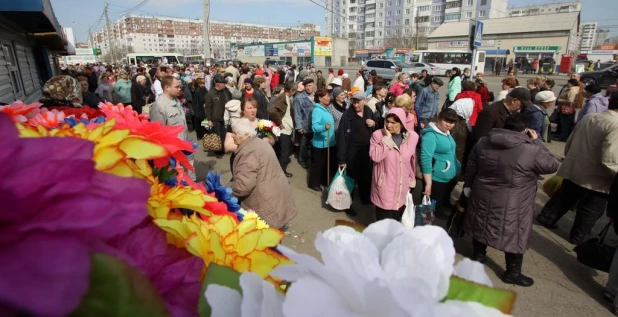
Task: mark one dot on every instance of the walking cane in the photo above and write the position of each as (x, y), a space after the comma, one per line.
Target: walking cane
(328, 158)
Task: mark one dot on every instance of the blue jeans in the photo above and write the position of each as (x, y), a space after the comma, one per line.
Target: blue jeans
(304, 157)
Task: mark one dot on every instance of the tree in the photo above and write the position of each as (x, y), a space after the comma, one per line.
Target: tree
(406, 41)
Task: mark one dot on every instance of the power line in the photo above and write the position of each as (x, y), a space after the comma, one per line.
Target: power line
(137, 6)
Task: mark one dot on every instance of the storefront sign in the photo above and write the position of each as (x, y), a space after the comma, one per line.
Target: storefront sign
(608, 46)
(402, 51)
(484, 43)
(602, 52)
(323, 46)
(379, 50)
(271, 50)
(251, 51)
(361, 53)
(294, 49)
(536, 49)
(84, 51)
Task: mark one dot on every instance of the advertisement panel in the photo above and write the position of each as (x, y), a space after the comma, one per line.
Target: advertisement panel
(484, 43)
(323, 46)
(271, 50)
(250, 51)
(294, 49)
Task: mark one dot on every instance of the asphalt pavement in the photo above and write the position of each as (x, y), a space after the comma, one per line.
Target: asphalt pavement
(563, 287)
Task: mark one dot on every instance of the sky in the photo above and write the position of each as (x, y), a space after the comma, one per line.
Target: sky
(86, 13)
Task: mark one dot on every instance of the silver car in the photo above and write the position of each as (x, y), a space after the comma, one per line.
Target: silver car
(387, 68)
(419, 67)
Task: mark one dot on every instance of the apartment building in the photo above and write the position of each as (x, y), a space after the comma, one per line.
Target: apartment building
(588, 36)
(376, 23)
(558, 7)
(146, 33)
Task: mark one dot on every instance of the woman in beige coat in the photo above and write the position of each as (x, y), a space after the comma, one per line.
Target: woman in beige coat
(258, 180)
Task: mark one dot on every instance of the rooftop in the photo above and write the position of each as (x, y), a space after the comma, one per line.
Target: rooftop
(523, 24)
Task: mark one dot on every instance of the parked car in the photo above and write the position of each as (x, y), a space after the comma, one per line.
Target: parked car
(386, 68)
(418, 67)
(604, 77)
(274, 63)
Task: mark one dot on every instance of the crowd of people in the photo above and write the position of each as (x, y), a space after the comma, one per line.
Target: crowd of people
(391, 138)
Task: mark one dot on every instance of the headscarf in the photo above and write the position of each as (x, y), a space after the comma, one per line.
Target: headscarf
(62, 90)
(464, 108)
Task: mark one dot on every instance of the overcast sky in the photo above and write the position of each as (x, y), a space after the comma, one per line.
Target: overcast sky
(86, 13)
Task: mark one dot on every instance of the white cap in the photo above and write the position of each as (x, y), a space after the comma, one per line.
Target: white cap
(545, 96)
(337, 81)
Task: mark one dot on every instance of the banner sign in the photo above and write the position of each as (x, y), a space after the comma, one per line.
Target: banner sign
(323, 46)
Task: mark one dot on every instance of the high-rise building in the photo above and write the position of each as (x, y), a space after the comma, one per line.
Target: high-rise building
(588, 36)
(602, 36)
(146, 33)
(558, 7)
(395, 23)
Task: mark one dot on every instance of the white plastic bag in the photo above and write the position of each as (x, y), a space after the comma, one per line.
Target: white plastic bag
(338, 194)
(409, 214)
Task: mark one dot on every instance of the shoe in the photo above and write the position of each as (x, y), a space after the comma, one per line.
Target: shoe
(316, 188)
(288, 175)
(517, 279)
(541, 178)
(545, 224)
(351, 212)
(608, 297)
(481, 257)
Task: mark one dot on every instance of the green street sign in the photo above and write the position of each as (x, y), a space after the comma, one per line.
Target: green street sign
(536, 48)
(96, 51)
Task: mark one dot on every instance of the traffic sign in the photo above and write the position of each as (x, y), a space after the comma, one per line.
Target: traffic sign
(478, 34)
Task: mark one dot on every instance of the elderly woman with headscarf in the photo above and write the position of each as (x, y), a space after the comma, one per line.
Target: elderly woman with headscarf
(142, 95)
(258, 180)
(62, 90)
(462, 131)
(338, 105)
(90, 99)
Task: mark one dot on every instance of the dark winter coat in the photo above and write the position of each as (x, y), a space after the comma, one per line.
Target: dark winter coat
(492, 116)
(345, 135)
(279, 108)
(214, 105)
(199, 99)
(502, 174)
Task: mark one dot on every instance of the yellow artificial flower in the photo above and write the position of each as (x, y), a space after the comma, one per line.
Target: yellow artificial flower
(261, 224)
(221, 240)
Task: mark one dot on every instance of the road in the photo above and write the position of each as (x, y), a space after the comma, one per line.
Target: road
(563, 287)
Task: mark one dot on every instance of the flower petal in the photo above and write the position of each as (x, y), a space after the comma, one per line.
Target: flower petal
(259, 297)
(472, 271)
(224, 301)
(383, 232)
(323, 300)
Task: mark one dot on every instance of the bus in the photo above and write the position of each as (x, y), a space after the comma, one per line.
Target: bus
(195, 59)
(153, 58)
(445, 60)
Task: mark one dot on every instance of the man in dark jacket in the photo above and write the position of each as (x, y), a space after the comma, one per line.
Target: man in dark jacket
(259, 84)
(537, 114)
(282, 114)
(353, 136)
(496, 113)
(214, 108)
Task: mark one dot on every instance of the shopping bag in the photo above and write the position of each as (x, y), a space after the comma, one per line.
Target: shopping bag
(407, 219)
(212, 142)
(455, 223)
(595, 253)
(349, 182)
(338, 193)
(425, 212)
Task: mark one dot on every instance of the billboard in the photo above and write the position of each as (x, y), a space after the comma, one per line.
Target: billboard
(294, 49)
(271, 50)
(323, 46)
(250, 51)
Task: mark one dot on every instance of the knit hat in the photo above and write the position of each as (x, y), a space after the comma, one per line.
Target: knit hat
(345, 75)
(248, 81)
(545, 96)
(236, 94)
(337, 91)
(303, 73)
(340, 72)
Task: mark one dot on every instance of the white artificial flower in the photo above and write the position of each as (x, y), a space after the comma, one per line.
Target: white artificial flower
(384, 271)
(259, 299)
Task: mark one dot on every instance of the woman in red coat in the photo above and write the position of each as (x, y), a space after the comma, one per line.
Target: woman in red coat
(469, 91)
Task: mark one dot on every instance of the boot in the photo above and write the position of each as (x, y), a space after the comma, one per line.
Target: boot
(479, 252)
(513, 274)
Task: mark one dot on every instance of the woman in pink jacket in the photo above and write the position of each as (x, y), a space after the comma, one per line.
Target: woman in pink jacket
(401, 85)
(393, 151)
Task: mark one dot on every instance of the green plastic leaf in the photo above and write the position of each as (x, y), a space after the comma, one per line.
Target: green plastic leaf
(466, 291)
(117, 289)
(217, 275)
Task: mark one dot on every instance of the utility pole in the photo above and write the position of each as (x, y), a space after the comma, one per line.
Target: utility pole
(417, 23)
(206, 31)
(90, 37)
(109, 34)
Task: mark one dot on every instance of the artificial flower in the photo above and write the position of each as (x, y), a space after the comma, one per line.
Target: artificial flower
(175, 273)
(223, 193)
(84, 112)
(49, 223)
(20, 111)
(259, 299)
(384, 271)
(224, 241)
(47, 118)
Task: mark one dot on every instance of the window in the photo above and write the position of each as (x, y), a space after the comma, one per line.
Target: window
(379, 33)
(397, 22)
(13, 69)
(407, 11)
(388, 23)
(388, 32)
(436, 19)
(351, 27)
(381, 5)
(424, 8)
(380, 14)
(406, 22)
(482, 13)
(483, 2)
(452, 16)
(452, 5)
(390, 3)
(388, 13)
(352, 18)
(398, 3)
(469, 15)
(438, 8)
(398, 12)
(470, 3)
(379, 24)
(409, 1)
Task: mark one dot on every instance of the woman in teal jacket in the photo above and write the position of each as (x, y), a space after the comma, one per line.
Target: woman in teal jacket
(454, 87)
(122, 88)
(323, 127)
(438, 161)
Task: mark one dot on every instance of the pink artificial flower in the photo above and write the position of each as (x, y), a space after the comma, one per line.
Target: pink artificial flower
(47, 118)
(55, 208)
(19, 111)
(174, 272)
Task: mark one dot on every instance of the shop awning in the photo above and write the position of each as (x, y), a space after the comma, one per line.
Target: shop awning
(37, 18)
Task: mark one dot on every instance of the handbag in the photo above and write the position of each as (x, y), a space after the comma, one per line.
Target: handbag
(339, 192)
(455, 223)
(594, 253)
(211, 142)
(553, 118)
(424, 213)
